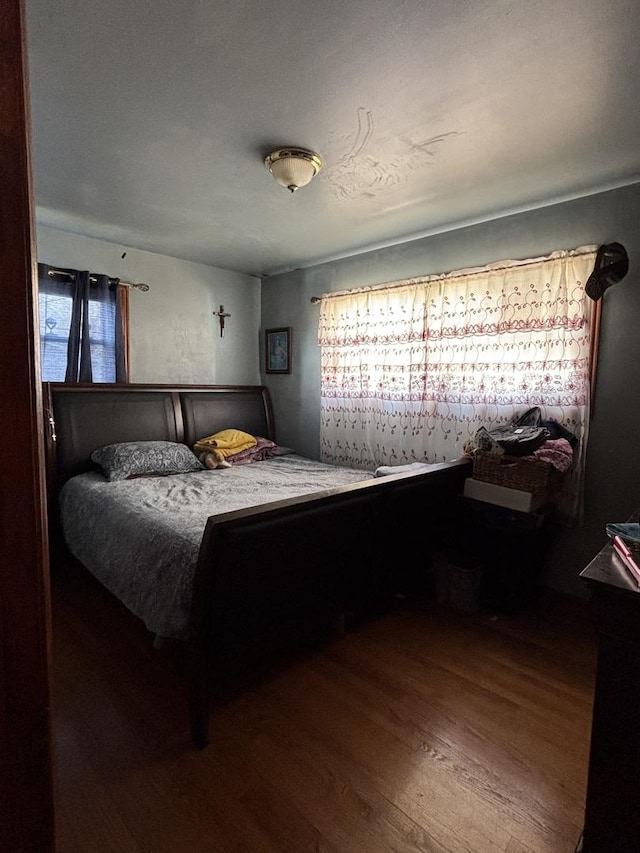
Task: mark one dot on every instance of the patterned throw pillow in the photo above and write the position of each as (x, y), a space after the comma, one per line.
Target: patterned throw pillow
(128, 459)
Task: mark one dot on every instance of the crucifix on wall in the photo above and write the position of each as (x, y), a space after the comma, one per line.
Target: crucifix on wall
(221, 315)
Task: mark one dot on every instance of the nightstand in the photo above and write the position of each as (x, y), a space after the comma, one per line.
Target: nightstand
(511, 545)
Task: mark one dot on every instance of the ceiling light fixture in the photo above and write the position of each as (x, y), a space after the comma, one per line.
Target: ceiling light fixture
(293, 167)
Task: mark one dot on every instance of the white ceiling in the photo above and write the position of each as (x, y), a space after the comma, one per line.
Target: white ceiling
(151, 118)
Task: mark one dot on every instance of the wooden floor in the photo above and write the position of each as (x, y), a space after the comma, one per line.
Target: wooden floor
(425, 730)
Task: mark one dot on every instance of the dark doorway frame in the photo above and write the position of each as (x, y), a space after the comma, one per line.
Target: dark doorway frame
(26, 742)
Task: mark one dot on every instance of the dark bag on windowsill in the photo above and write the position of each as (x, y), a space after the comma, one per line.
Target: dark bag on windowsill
(523, 436)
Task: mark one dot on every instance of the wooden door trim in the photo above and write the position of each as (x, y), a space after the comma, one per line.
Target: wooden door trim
(26, 789)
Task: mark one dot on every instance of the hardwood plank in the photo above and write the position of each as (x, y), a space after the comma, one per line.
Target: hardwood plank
(435, 770)
(421, 731)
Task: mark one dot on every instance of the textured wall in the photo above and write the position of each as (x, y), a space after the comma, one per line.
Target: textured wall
(174, 335)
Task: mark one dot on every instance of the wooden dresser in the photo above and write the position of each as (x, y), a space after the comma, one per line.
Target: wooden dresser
(612, 810)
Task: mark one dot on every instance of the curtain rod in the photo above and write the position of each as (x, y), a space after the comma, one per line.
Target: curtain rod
(463, 273)
(71, 276)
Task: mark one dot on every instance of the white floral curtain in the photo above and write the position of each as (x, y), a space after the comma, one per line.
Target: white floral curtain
(410, 370)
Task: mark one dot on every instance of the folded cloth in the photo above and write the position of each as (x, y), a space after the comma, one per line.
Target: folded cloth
(627, 530)
(557, 452)
(264, 448)
(227, 441)
(415, 467)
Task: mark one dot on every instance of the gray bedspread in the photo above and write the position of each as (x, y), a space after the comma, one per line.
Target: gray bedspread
(140, 538)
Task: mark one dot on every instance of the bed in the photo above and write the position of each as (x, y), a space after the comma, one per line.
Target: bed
(240, 562)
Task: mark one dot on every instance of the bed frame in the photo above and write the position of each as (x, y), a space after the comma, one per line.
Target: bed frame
(269, 575)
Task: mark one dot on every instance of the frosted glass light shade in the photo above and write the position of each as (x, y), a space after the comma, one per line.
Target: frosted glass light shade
(293, 167)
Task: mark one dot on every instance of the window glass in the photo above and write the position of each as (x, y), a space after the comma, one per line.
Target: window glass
(55, 322)
(102, 317)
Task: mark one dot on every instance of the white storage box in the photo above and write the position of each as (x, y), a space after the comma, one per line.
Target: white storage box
(479, 490)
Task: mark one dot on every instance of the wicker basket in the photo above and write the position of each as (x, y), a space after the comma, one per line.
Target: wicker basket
(526, 475)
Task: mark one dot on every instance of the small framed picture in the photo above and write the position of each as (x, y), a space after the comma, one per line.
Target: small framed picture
(278, 350)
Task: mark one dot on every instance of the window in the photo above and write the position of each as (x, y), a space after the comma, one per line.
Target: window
(82, 326)
(410, 370)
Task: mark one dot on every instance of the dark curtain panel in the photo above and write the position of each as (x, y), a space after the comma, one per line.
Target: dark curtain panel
(79, 347)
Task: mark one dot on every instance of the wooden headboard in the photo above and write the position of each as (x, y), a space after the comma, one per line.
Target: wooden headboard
(80, 418)
(208, 410)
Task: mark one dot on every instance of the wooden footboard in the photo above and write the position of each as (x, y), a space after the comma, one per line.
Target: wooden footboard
(270, 576)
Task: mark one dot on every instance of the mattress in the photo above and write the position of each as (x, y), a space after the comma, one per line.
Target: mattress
(141, 537)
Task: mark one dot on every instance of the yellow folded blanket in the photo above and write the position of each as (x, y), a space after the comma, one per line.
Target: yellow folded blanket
(227, 442)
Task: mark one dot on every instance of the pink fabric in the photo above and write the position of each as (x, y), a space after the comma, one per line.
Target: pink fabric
(263, 449)
(556, 452)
